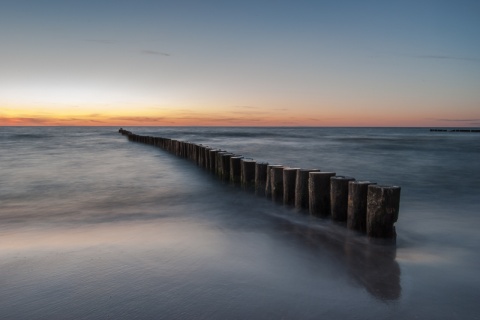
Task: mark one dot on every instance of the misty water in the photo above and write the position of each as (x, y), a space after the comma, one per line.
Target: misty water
(93, 226)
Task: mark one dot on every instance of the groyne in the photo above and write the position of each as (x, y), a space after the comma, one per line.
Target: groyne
(362, 206)
(453, 130)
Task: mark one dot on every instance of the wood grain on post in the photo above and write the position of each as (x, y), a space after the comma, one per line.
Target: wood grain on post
(225, 158)
(319, 193)
(276, 182)
(268, 181)
(301, 187)
(248, 172)
(260, 178)
(218, 162)
(206, 157)
(383, 204)
(339, 197)
(213, 159)
(357, 205)
(235, 169)
(289, 178)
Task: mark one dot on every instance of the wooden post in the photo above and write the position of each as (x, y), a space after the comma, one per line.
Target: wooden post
(339, 197)
(235, 169)
(206, 157)
(289, 177)
(383, 204)
(268, 182)
(213, 159)
(248, 173)
(219, 169)
(260, 178)
(357, 205)
(200, 153)
(225, 173)
(276, 181)
(319, 193)
(301, 187)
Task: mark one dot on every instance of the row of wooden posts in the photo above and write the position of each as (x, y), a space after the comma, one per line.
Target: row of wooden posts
(363, 205)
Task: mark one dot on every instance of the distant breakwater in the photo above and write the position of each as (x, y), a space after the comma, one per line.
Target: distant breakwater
(455, 130)
(363, 205)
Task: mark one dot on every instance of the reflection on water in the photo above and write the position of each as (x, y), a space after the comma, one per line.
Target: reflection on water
(370, 263)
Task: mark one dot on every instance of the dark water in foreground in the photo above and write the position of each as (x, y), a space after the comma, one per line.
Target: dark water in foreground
(94, 227)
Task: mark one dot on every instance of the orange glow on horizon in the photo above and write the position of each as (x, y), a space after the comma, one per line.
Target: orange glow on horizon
(123, 116)
(221, 121)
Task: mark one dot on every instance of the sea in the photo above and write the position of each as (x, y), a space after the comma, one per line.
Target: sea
(93, 226)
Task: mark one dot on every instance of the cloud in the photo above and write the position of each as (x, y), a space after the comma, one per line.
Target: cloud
(157, 53)
(99, 41)
(218, 119)
(458, 120)
(250, 112)
(444, 57)
(246, 107)
(138, 119)
(24, 120)
(473, 122)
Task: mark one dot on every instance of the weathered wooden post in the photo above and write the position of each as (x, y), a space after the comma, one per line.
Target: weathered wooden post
(260, 178)
(319, 193)
(248, 173)
(268, 182)
(206, 157)
(225, 159)
(213, 159)
(235, 169)
(383, 204)
(219, 169)
(201, 152)
(191, 151)
(289, 177)
(339, 197)
(357, 205)
(276, 181)
(301, 187)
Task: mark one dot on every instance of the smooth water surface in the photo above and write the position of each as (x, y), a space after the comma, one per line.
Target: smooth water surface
(93, 226)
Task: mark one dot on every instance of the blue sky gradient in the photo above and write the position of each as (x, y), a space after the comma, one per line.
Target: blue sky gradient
(291, 62)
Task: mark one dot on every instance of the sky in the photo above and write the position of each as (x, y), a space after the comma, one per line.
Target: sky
(240, 63)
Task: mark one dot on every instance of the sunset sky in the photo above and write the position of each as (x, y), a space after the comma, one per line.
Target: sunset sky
(237, 63)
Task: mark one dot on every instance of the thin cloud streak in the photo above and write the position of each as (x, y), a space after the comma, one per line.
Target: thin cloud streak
(444, 57)
(157, 53)
(99, 41)
(246, 107)
(458, 120)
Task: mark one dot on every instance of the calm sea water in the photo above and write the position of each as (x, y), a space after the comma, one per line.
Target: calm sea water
(93, 226)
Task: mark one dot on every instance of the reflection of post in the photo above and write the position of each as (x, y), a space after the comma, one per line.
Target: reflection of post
(382, 210)
(374, 266)
(369, 263)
